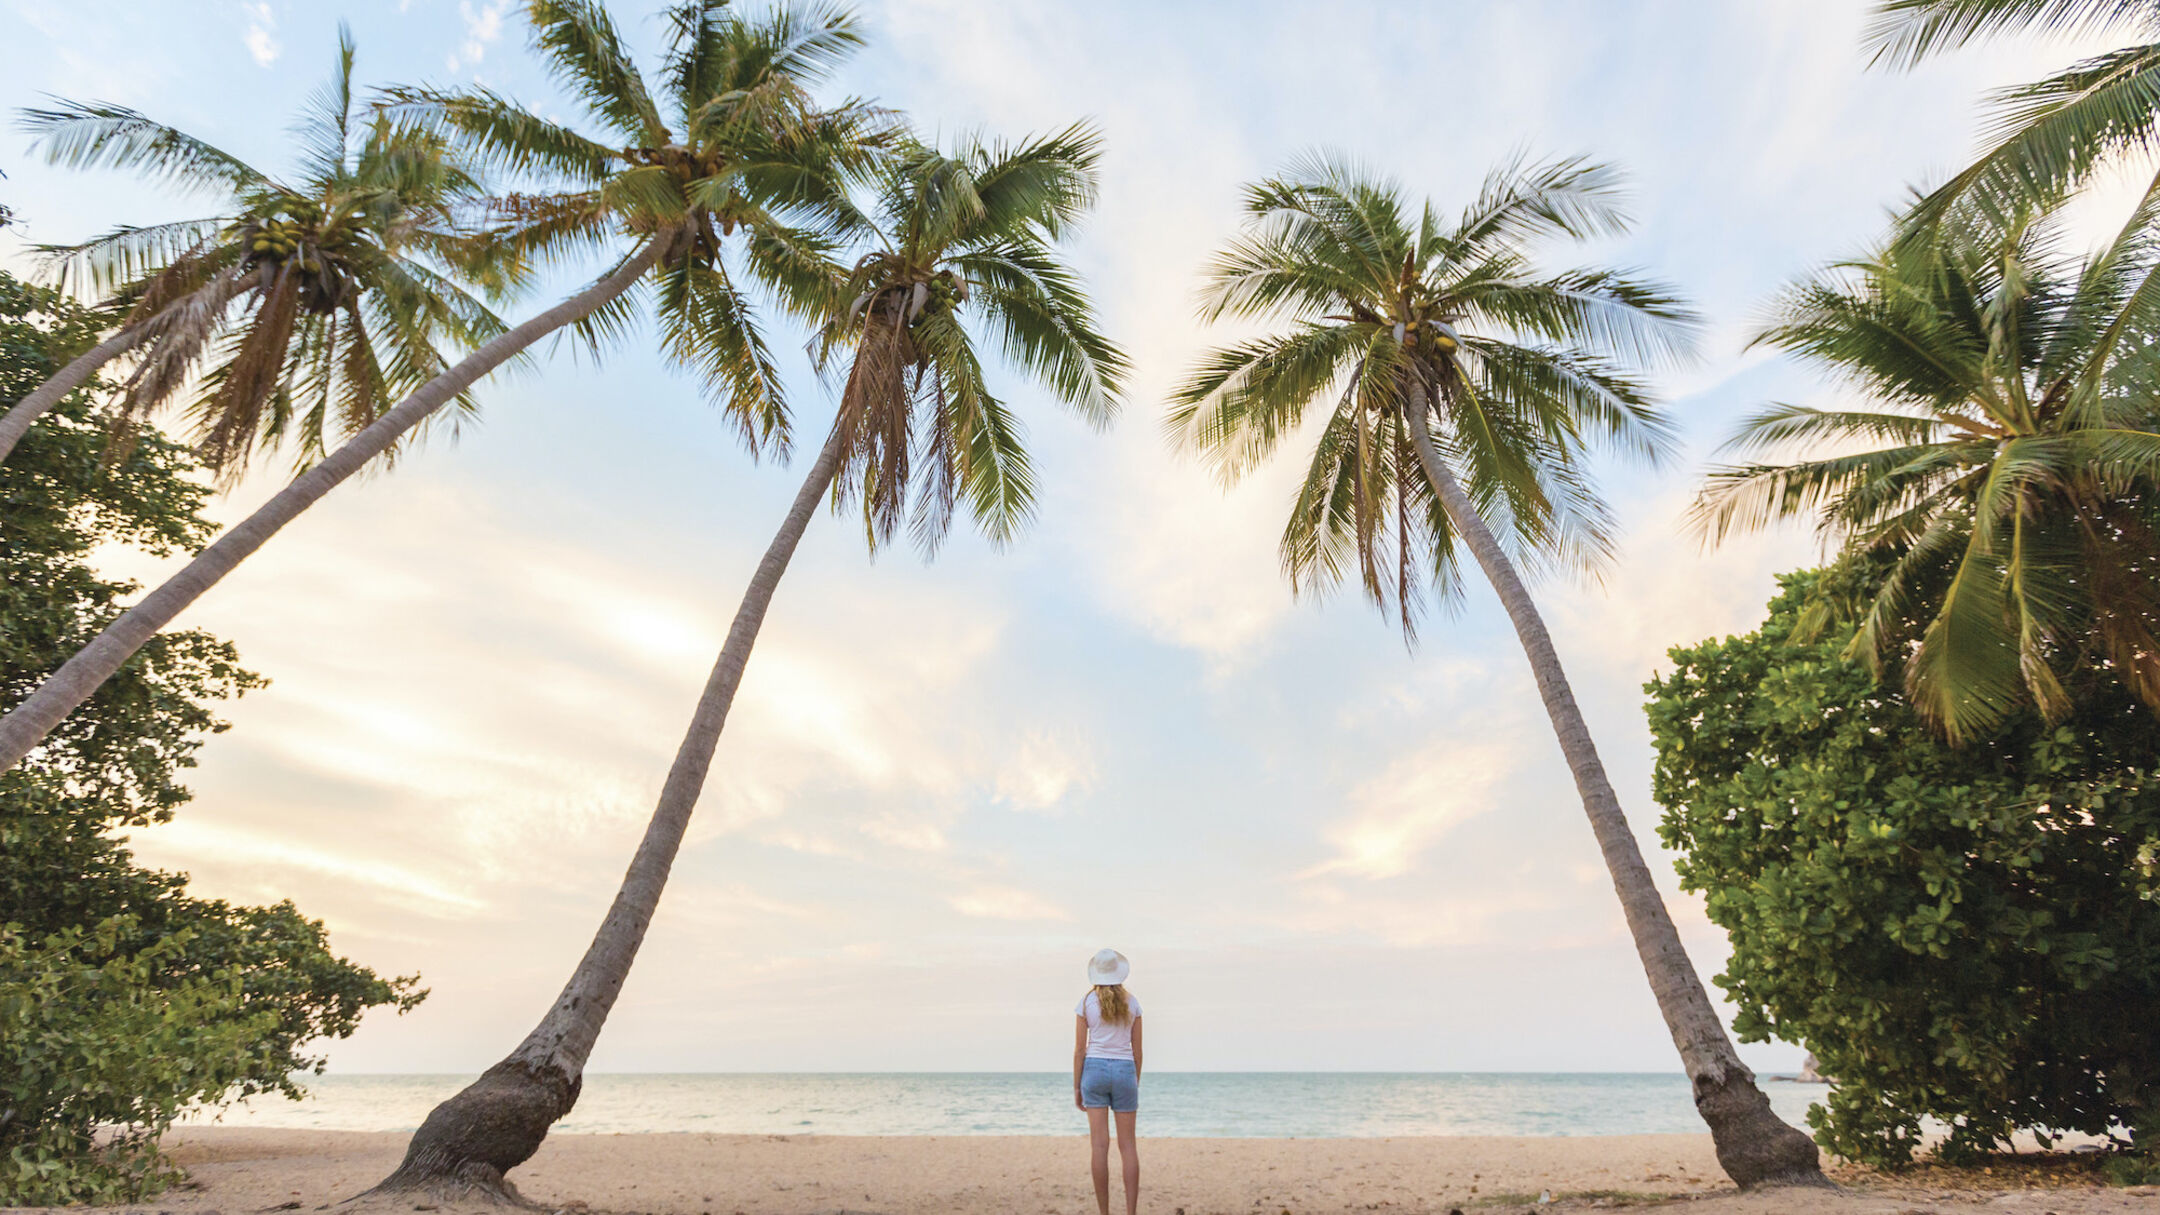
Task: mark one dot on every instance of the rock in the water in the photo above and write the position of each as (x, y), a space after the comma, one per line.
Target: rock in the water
(1808, 1074)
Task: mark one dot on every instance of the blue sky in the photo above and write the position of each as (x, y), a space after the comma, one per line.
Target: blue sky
(944, 786)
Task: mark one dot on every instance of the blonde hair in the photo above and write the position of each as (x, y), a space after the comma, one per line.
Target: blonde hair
(1116, 1005)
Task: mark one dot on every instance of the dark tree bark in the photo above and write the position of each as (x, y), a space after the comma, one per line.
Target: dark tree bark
(470, 1141)
(1754, 1145)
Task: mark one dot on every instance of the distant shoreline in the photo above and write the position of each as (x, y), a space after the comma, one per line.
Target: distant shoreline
(1265, 1105)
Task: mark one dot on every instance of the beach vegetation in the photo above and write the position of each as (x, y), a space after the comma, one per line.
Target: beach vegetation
(2047, 138)
(1967, 937)
(100, 1050)
(1466, 389)
(2002, 457)
(124, 999)
(298, 311)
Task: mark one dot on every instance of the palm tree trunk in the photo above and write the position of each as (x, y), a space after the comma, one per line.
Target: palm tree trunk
(16, 423)
(1753, 1144)
(497, 1123)
(27, 724)
(20, 416)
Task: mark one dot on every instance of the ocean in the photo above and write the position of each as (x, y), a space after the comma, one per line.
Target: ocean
(1265, 1105)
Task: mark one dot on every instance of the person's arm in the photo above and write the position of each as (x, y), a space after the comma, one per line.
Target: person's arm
(1079, 1056)
(1136, 1048)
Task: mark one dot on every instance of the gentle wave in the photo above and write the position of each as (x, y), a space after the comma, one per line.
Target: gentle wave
(1267, 1105)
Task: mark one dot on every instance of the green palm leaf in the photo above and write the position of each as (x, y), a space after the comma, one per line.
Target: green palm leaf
(2047, 137)
(263, 323)
(1377, 308)
(966, 253)
(2008, 425)
(578, 40)
(98, 135)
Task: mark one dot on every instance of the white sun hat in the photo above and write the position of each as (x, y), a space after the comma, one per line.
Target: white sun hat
(1108, 968)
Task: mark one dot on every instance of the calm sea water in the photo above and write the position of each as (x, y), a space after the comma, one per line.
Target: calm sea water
(1318, 1105)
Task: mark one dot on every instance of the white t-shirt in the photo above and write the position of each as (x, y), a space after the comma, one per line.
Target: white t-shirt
(1104, 1040)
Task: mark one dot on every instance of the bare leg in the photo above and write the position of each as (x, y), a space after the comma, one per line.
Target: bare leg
(1099, 1154)
(1128, 1150)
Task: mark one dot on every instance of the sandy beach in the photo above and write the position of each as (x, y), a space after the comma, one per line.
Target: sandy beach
(244, 1171)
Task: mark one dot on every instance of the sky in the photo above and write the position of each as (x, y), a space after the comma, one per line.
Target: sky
(944, 785)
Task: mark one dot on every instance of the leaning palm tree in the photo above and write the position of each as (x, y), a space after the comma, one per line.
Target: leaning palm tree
(303, 309)
(2049, 136)
(1465, 386)
(2004, 466)
(966, 236)
(750, 155)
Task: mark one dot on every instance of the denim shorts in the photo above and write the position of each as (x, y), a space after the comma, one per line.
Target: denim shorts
(1111, 1082)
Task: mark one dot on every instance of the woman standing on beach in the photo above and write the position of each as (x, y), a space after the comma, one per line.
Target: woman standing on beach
(1106, 1072)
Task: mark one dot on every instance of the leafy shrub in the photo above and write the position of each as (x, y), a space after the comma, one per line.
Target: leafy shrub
(123, 998)
(99, 1053)
(1964, 934)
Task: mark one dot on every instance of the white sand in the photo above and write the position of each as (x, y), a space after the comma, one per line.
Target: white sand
(243, 1171)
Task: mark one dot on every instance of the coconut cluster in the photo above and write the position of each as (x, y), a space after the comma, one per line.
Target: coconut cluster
(297, 243)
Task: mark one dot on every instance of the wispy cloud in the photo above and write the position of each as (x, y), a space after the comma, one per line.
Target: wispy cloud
(483, 26)
(1042, 769)
(1414, 803)
(261, 37)
(200, 842)
(1006, 903)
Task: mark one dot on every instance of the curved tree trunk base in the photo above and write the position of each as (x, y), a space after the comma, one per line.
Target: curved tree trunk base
(494, 1125)
(476, 1183)
(1754, 1146)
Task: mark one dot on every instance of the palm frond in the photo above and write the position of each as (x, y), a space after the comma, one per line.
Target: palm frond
(970, 445)
(1965, 674)
(1904, 32)
(1041, 185)
(325, 126)
(1784, 425)
(796, 267)
(711, 328)
(696, 54)
(1754, 496)
(1523, 202)
(96, 135)
(2047, 137)
(504, 135)
(1579, 396)
(104, 265)
(582, 47)
(1040, 313)
(1637, 320)
(1240, 402)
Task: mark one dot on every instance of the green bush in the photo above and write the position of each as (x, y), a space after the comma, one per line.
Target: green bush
(99, 1053)
(125, 998)
(1969, 935)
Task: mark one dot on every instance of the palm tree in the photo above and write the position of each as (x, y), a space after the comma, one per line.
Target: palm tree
(2049, 136)
(1465, 387)
(2003, 466)
(753, 152)
(965, 235)
(338, 316)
